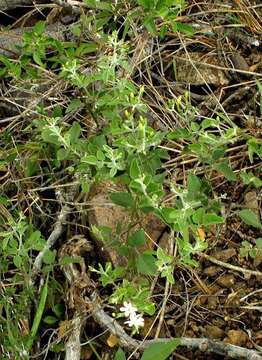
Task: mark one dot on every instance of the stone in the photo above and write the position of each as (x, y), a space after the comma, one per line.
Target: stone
(236, 337)
(105, 213)
(226, 280)
(199, 69)
(214, 332)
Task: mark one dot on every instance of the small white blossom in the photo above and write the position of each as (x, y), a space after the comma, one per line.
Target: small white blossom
(255, 43)
(136, 321)
(23, 353)
(128, 309)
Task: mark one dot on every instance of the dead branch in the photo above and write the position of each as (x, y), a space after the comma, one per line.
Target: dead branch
(73, 345)
(79, 282)
(54, 236)
(202, 344)
(73, 6)
(231, 267)
(12, 4)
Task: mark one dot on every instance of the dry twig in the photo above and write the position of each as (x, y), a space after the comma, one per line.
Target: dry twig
(12, 4)
(54, 236)
(73, 345)
(231, 267)
(202, 344)
(79, 282)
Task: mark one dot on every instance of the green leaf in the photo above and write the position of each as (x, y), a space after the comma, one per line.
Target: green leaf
(39, 245)
(147, 4)
(226, 170)
(34, 237)
(100, 5)
(150, 24)
(137, 239)
(18, 261)
(3, 199)
(31, 167)
(122, 199)
(259, 85)
(185, 28)
(194, 184)
(161, 255)
(38, 314)
(206, 123)
(39, 27)
(174, 26)
(146, 264)
(198, 216)
(254, 148)
(15, 69)
(37, 59)
(171, 215)
(5, 61)
(89, 159)
(50, 320)
(75, 104)
(59, 310)
(163, 31)
(86, 48)
(148, 307)
(259, 243)
(134, 169)
(112, 172)
(250, 178)
(160, 351)
(74, 132)
(218, 153)
(49, 257)
(85, 186)
(250, 218)
(120, 355)
(63, 154)
(179, 134)
(100, 155)
(209, 219)
(253, 253)
(50, 137)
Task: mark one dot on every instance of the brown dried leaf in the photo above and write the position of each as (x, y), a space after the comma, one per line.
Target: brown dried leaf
(112, 341)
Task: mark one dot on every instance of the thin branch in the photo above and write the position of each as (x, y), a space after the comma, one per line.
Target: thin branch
(12, 4)
(73, 344)
(74, 6)
(78, 282)
(54, 236)
(231, 267)
(202, 344)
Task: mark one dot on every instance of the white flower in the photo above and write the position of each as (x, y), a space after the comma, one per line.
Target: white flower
(136, 321)
(128, 309)
(24, 353)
